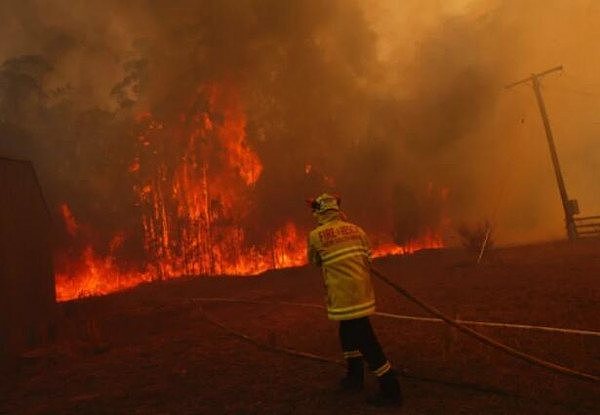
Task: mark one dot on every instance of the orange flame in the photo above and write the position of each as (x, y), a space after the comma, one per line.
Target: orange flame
(70, 222)
(95, 275)
(87, 273)
(193, 212)
(431, 241)
(195, 179)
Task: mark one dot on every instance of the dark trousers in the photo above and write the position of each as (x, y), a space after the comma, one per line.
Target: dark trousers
(357, 336)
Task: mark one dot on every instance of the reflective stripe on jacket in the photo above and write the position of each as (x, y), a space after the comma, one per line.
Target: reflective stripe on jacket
(342, 250)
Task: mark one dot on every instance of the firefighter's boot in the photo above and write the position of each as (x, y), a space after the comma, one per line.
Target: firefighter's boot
(389, 391)
(355, 375)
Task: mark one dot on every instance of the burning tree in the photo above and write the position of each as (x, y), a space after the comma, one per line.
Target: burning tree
(194, 181)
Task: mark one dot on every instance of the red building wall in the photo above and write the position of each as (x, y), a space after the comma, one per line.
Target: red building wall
(27, 296)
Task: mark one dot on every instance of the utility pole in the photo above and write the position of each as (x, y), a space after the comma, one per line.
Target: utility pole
(570, 207)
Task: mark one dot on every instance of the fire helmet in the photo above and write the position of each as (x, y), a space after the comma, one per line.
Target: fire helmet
(325, 202)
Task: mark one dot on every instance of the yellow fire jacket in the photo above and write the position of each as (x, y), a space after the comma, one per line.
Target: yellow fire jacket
(342, 251)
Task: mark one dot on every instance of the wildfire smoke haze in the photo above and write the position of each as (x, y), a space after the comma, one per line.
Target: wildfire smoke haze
(180, 138)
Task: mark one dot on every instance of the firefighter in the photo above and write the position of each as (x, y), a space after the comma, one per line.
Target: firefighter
(342, 251)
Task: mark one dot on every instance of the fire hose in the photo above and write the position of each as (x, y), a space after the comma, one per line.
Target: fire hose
(434, 311)
(485, 339)
(319, 358)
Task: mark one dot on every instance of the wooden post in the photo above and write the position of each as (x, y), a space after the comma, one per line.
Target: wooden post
(535, 80)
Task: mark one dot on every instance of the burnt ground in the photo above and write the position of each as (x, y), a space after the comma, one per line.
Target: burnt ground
(151, 350)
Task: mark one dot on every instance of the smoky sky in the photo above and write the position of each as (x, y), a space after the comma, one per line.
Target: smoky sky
(400, 107)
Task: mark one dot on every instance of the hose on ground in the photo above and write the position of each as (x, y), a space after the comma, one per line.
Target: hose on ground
(485, 339)
(319, 358)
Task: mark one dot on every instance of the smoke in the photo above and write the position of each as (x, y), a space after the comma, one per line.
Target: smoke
(398, 106)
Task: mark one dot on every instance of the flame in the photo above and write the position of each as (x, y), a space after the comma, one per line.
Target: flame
(194, 211)
(232, 133)
(92, 274)
(432, 240)
(194, 184)
(87, 273)
(70, 222)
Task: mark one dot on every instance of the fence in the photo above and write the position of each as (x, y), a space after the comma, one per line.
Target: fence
(588, 226)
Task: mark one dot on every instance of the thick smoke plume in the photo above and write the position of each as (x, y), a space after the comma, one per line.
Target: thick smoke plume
(398, 106)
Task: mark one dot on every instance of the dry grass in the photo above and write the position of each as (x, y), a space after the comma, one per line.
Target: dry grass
(160, 356)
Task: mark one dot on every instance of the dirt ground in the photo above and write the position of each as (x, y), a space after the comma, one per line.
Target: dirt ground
(151, 350)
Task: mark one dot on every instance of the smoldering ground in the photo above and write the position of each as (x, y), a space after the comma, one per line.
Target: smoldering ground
(398, 106)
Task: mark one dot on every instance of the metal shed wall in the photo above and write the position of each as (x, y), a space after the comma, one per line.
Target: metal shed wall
(27, 296)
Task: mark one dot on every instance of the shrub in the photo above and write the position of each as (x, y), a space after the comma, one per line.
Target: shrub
(474, 236)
